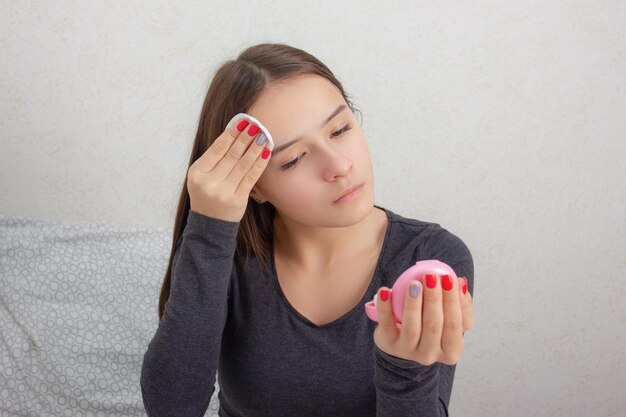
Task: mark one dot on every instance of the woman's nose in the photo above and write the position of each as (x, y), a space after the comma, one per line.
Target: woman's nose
(337, 165)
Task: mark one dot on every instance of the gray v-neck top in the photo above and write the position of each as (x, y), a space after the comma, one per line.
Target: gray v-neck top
(271, 360)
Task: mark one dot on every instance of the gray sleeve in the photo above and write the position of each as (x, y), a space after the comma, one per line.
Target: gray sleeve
(408, 388)
(179, 366)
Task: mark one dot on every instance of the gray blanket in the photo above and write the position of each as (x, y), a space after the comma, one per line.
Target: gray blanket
(78, 307)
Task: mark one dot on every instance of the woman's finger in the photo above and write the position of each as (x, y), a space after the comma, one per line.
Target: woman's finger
(386, 325)
(249, 168)
(429, 347)
(256, 161)
(467, 308)
(412, 317)
(220, 147)
(231, 159)
(452, 336)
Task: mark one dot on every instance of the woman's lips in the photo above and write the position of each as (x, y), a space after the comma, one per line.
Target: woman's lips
(350, 195)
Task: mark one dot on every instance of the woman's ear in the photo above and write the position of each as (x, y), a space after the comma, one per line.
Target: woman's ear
(256, 194)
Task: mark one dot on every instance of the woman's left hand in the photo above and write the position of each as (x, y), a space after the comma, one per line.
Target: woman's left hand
(430, 334)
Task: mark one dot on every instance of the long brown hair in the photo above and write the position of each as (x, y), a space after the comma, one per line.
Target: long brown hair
(234, 88)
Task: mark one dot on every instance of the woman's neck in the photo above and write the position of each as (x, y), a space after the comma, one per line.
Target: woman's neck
(318, 249)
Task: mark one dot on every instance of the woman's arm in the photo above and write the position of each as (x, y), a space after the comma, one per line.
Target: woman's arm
(179, 366)
(408, 388)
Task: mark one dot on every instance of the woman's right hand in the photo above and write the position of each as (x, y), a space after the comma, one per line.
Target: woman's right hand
(220, 181)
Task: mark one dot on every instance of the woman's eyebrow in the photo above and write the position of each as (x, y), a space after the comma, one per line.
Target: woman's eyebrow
(284, 146)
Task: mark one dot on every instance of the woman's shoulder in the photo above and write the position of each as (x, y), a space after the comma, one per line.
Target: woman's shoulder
(408, 222)
(423, 231)
(413, 240)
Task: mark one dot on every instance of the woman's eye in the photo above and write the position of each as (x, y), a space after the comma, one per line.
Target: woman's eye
(342, 130)
(296, 160)
(291, 163)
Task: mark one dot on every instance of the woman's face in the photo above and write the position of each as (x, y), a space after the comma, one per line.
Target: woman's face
(305, 177)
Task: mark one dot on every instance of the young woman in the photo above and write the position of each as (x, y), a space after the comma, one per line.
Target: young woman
(274, 257)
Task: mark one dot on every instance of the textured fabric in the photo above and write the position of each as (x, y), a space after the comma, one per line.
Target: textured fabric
(78, 306)
(269, 359)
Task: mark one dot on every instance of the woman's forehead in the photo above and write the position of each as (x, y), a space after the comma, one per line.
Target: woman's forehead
(292, 108)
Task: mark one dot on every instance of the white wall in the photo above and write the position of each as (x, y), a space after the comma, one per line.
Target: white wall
(503, 121)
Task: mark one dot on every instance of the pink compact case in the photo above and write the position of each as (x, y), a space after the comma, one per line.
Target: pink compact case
(416, 272)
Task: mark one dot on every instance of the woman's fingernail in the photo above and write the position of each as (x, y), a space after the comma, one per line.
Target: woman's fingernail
(431, 280)
(414, 290)
(446, 282)
(384, 294)
(265, 154)
(464, 285)
(260, 139)
(254, 129)
(242, 125)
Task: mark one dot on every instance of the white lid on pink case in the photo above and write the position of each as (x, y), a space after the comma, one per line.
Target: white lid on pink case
(270, 141)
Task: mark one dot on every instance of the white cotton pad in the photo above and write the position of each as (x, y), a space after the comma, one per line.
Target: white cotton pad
(270, 141)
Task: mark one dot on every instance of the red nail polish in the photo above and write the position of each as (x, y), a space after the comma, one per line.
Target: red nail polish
(384, 294)
(446, 282)
(254, 129)
(464, 286)
(431, 280)
(242, 125)
(265, 154)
